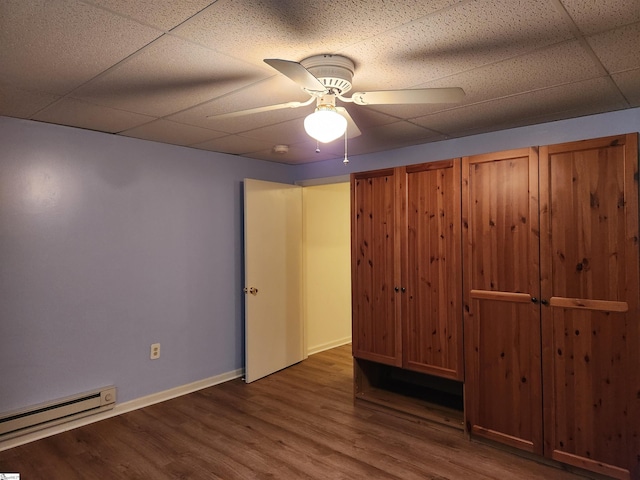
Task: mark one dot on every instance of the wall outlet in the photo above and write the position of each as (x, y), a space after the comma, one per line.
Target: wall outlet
(155, 351)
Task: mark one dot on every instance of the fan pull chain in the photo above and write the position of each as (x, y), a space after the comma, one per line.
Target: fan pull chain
(346, 160)
(317, 146)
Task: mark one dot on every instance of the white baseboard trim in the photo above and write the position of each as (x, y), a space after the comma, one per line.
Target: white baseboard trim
(328, 346)
(121, 408)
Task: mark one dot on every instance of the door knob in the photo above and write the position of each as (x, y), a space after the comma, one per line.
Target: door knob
(251, 290)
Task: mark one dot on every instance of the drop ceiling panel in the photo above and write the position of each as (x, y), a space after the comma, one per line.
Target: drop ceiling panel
(295, 29)
(514, 111)
(366, 117)
(168, 76)
(629, 84)
(274, 90)
(302, 153)
(289, 133)
(53, 46)
(162, 14)
(76, 113)
(172, 132)
(618, 49)
(235, 144)
(16, 102)
(462, 38)
(598, 15)
(248, 123)
(386, 137)
(557, 64)
(157, 69)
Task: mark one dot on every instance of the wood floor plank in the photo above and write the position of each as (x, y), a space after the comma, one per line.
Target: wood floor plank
(299, 423)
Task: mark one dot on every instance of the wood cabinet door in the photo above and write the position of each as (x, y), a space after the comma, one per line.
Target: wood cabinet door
(375, 260)
(591, 324)
(503, 394)
(432, 273)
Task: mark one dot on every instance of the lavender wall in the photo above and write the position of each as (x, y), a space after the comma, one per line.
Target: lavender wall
(107, 245)
(602, 125)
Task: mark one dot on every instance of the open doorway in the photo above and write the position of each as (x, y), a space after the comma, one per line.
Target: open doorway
(326, 265)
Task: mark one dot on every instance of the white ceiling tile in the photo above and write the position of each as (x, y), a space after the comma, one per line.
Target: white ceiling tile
(16, 102)
(618, 49)
(234, 144)
(296, 29)
(300, 153)
(168, 76)
(599, 15)
(93, 117)
(629, 84)
(462, 38)
(411, 111)
(124, 66)
(55, 46)
(275, 90)
(288, 133)
(172, 132)
(163, 14)
(574, 112)
(390, 136)
(510, 111)
(366, 117)
(557, 64)
(244, 123)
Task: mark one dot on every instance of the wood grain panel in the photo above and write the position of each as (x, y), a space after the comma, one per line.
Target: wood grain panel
(510, 389)
(591, 329)
(375, 268)
(502, 326)
(432, 303)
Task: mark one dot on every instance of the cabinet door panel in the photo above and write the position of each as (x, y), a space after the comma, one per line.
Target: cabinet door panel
(591, 328)
(502, 325)
(510, 390)
(375, 268)
(432, 303)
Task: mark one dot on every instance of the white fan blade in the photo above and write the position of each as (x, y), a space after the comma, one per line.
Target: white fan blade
(418, 95)
(297, 73)
(352, 128)
(268, 108)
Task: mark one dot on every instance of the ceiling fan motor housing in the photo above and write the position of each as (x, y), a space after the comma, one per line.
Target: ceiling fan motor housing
(334, 71)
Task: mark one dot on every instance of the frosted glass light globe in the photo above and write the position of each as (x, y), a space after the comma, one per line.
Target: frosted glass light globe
(325, 125)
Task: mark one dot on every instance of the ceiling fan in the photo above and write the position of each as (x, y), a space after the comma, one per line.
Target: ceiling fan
(326, 78)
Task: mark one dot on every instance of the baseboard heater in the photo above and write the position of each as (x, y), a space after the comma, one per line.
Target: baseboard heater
(48, 414)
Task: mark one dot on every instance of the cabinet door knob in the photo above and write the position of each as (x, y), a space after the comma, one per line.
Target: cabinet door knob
(396, 289)
(534, 299)
(543, 302)
(403, 289)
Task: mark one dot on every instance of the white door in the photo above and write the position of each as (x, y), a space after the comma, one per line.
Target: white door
(274, 327)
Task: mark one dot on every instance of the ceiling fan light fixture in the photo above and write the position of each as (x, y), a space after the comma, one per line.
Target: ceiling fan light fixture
(325, 124)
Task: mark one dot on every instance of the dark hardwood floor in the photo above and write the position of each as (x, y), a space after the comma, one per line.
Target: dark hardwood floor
(296, 424)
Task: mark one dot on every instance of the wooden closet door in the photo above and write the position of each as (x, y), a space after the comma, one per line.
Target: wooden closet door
(503, 395)
(375, 259)
(591, 324)
(432, 273)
